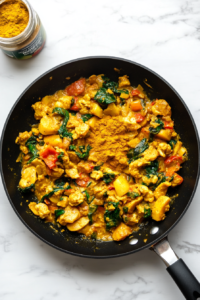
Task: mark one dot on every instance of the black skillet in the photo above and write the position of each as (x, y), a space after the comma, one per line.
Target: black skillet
(19, 120)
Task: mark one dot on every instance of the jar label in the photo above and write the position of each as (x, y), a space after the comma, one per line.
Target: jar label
(31, 49)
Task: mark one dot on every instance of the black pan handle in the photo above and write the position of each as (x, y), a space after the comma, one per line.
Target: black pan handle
(178, 270)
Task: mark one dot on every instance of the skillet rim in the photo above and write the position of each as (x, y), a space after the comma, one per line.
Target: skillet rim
(194, 127)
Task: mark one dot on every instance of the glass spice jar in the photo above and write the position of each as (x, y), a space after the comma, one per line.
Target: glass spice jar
(29, 42)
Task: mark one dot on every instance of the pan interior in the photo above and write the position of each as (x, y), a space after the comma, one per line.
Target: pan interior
(21, 117)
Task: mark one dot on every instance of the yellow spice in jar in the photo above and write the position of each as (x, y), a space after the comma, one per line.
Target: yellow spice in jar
(14, 17)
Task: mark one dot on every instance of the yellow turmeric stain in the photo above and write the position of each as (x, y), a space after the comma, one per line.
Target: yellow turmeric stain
(14, 17)
(109, 142)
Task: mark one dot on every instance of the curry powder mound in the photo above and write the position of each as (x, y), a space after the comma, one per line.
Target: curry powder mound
(14, 17)
(108, 140)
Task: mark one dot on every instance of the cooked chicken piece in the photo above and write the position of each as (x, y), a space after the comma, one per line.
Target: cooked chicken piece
(84, 104)
(132, 205)
(161, 190)
(146, 193)
(124, 81)
(134, 167)
(96, 175)
(40, 209)
(76, 198)
(161, 107)
(70, 216)
(73, 122)
(28, 177)
(164, 149)
(80, 131)
(66, 101)
(40, 166)
(133, 219)
(23, 137)
(150, 154)
(151, 179)
(85, 167)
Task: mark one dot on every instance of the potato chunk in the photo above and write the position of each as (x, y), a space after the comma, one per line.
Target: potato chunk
(121, 232)
(121, 185)
(96, 110)
(78, 225)
(48, 125)
(112, 110)
(28, 177)
(164, 134)
(53, 140)
(160, 207)
(70, 216)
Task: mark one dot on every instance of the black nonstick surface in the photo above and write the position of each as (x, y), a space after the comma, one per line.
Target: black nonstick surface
(21, 117)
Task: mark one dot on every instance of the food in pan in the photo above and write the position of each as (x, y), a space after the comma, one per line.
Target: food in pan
(101, 158)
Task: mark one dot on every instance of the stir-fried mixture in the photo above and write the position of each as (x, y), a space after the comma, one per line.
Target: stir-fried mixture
(101, 159)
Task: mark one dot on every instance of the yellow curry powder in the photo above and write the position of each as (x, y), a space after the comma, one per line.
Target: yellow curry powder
(14, 17)
(109, 141)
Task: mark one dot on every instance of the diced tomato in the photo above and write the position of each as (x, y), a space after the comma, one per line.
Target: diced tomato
(139, 118)
(168, 125)
(69, 191)
(47, 201)
(52, 208)
(75, 106)
(178, 178)
(136, 105)
(173, 158)
(111, 187)
(145, 131)
(101, 208)
(171, 170)
(82, 180)
(152, 103)
(50, 156)
(135, 92)
(76, 88)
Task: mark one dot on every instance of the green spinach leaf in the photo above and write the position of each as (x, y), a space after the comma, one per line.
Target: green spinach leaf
(133, 195)
(158, 128)
(147, 212)
(31, 145)
(172, 143)
(51, 193)
(26, 189)
(92, 210)
(112, 218)
(108, 177)
(103, 97)
(59, 212)
(97, 168)
(135, 153)
(152, 168)
(63, 132)
(84, 152)
(125, 209)
(86, 117)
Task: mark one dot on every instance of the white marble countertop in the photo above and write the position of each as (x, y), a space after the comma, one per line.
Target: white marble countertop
(162, 35)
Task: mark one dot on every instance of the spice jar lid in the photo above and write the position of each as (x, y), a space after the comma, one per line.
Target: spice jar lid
(27, 31)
